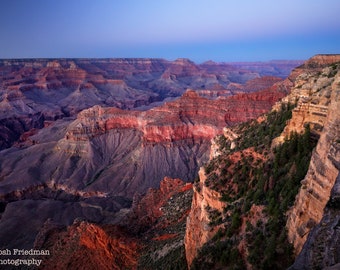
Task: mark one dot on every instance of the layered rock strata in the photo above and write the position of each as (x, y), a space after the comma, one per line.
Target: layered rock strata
(189, 117)
(315, 89)
(316, 188)
(33, 91)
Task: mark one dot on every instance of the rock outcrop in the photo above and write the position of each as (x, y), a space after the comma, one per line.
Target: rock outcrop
(312, 94)
(147, 209)
(323, 171)
(85, 245)
(149, 234)
(198, 230)
(321, 60)
(159, 218)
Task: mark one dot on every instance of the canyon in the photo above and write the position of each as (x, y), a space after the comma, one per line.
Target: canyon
(312, 220)
(109, 158)
(86, 159)
(34, 92)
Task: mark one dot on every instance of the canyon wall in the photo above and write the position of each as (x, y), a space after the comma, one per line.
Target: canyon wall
(314, 88)
(199, 231)
(34, 92)
(316, 188)
(314, 220)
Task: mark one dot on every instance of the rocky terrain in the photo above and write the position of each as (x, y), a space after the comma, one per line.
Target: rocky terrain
(83, 141)
(148, 235)
(34, 92)
(241, 207)
(313, 222)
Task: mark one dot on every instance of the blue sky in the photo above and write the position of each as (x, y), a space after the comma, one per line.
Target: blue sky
(219, 30)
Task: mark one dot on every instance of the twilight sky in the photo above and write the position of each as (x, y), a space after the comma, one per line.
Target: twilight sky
(219, 30)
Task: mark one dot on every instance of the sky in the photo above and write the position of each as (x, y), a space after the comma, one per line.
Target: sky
(201, 30)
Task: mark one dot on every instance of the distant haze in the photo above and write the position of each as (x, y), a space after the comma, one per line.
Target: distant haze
(219, 30)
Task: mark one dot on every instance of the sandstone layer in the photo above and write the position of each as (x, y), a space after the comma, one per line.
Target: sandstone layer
(323, 171)
(36, 91)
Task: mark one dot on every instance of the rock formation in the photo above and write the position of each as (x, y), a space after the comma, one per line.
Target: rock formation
(198, 230)
(81, 139)
(33, 91)
(321, 239)
(86, 245)
(324, 170)
(150, 234)
(314, 216)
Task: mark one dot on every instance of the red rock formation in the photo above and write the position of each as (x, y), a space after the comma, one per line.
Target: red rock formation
(147, 209)
(55, 88)
(85, 245)
(190, 117)
(88, 246)
(314, 194)
(198, 230)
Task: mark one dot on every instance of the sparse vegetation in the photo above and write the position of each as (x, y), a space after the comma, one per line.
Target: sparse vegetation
(264, 177)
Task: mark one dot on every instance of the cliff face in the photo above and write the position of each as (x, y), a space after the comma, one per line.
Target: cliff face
(316, 188)
(189, 117)
(315, 90)
(119, 152)
(321, 60)
(198, 230)
(312, 93)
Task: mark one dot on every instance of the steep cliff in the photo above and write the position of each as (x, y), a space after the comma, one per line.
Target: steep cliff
(319, 181)
(321, 248)
(255, 186)
(198, 230)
